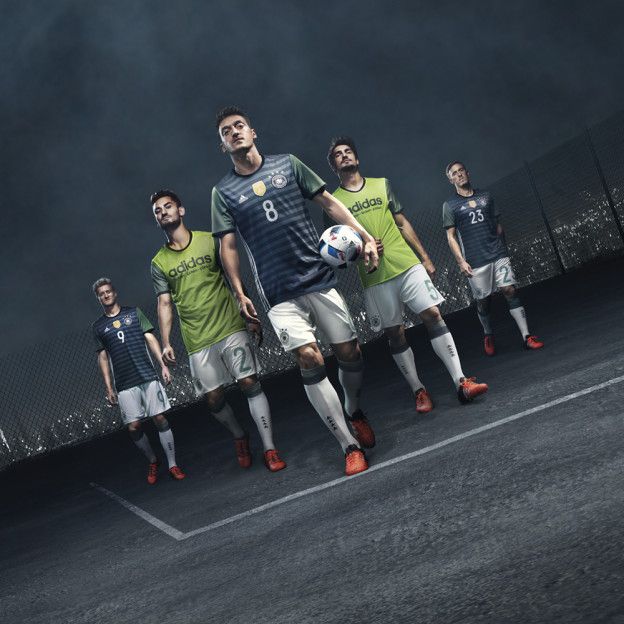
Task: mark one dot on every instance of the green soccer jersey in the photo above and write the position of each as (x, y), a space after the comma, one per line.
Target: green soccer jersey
(207, 309)
(373, 206)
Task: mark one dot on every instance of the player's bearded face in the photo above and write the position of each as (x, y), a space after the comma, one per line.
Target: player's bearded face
(167, 213)
(345, 159)
(236, 135)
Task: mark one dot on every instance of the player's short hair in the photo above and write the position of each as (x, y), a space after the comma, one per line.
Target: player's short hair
(453, 162)
(335, 142)
(228, 111)
(154, 197)
(103, 281)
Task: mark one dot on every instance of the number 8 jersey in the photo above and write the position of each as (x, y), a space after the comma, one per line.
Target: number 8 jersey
(268, 210)
(122, 337)
(475, 219)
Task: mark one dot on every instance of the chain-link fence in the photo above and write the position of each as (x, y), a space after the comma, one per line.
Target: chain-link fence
(559, 212)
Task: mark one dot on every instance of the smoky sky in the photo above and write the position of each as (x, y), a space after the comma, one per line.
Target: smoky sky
(105, 102)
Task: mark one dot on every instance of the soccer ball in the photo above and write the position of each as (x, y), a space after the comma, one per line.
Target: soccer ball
(340, 246)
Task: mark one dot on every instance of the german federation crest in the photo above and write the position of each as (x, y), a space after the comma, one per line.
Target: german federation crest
(279, 181)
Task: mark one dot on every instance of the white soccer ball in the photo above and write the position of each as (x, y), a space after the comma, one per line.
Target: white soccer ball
(340, 246)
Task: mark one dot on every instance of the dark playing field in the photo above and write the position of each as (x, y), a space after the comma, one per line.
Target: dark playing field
(463, 517)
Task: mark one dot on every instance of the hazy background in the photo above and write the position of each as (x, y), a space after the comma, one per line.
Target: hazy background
(103, 102)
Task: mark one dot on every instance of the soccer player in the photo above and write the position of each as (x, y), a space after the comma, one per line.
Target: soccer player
(263, 199)
(477, 241)
(403, 276)
(186, 272)
(121, 335)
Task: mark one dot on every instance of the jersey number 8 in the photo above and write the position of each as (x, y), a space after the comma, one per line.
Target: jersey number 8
(269, 210)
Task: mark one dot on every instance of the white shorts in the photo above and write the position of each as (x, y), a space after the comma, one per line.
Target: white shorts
(143, 401)
(486, 279)
(385, 302)
(232, 358)
(296, 321)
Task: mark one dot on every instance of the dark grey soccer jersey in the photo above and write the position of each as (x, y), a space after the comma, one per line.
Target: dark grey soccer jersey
(475, 219)
(122, 337)
(269, 211)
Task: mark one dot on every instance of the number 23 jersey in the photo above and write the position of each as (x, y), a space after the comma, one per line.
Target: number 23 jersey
(269, 211)
(476, 220)
(123, 338)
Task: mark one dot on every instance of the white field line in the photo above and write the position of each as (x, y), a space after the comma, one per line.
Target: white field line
(179, 535)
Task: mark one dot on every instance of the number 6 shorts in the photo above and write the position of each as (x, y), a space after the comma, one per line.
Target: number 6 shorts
(486, 279)
(386, 302)
(143, 401)
(230, 358)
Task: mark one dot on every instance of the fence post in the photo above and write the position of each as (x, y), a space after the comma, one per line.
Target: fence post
(603, 181)
(541, 207)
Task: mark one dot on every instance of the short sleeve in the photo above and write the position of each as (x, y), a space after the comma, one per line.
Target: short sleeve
(448, 216)
(146, 326)
(309, 183)
(222, 219)
(393, 203)
(159, 281)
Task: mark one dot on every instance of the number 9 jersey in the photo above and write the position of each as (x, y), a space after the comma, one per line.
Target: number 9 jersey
(268, 209)
(122, 336)
(475, 220)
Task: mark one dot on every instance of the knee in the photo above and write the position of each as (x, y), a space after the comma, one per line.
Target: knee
(216, 399)
(348, 351)
(509, 292)
(430, 316)
(309, 356)
(251, 386)
(162, 424)
(247, 382)
(483, 305)
(135, 431)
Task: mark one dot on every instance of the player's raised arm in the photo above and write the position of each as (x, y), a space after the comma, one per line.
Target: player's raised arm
(231, 265)
(337, 211)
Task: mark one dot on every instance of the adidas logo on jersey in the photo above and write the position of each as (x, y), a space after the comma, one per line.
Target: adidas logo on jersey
(186, 265)
(242, 199)
(367, 203)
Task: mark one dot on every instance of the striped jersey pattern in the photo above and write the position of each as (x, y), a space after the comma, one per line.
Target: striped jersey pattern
(475, 219)
(122, 337)
(269, 212)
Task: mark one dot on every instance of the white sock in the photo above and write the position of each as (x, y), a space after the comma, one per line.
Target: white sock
(519, 315)
(350, 375)
(261, 413)
(404, 359)
(166, 441)
(226, 417)
(325, 401)
(444, 347)
(144, 444)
